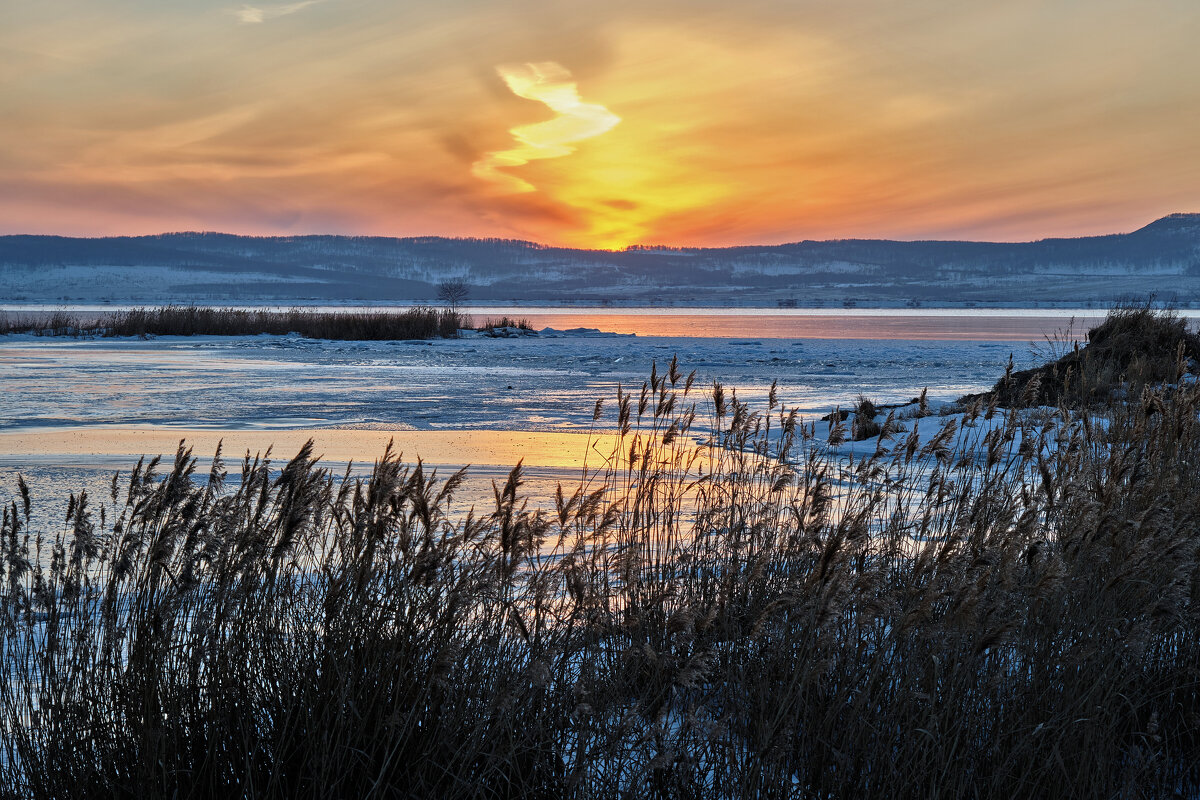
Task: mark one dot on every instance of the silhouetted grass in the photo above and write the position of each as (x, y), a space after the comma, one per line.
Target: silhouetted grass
(52, 323)
(1015, 615)
(504, 322)
(1135, 346)
(421, 322)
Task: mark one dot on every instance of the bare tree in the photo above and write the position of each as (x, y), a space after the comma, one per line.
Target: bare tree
(453, 291)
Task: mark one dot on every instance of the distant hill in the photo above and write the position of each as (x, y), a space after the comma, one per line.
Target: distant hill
(1161, 258)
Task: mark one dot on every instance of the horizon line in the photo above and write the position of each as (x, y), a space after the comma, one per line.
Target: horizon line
(626, 249)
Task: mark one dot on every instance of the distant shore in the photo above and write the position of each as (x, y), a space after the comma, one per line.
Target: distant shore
(1027, 307)
(383, 322)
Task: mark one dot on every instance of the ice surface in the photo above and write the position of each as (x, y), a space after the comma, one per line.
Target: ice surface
(528, 383)
(542, 383)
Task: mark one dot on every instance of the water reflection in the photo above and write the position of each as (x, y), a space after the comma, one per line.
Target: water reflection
(845, 325)
(913, 324)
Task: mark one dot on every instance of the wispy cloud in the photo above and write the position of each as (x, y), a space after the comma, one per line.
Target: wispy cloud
(842, 120)
(253, 14)
(550, 83)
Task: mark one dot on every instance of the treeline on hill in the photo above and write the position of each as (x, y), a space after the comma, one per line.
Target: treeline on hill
(420, 322)
(1011, 615)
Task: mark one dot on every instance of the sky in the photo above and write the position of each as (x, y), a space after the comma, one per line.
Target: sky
(587, 124)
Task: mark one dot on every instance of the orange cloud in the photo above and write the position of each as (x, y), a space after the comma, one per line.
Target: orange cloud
(679, 123)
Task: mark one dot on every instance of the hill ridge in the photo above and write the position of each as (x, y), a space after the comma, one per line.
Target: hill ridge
(1162, 257)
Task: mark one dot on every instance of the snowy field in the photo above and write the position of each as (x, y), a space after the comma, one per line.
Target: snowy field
(73, 411)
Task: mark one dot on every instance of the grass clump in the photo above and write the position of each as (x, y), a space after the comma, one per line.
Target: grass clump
(420, 322)
(505, 322)
(54, 323)
(1012, 614)
(1135, 346)
(864, 425)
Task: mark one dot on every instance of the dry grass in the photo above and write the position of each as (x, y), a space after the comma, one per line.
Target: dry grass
(420, 322)
(504, 322)
(1014, 617)
(53, 323)
(1135, 346)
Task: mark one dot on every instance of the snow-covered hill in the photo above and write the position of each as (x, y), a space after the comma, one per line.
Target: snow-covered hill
(1162, 258)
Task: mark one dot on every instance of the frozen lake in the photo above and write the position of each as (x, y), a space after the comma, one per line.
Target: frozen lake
(480, 383)
(944, 324)
(69, 406)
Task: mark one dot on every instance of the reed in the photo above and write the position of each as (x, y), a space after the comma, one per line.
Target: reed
(1137, 345)
(505, 321)
(420, 322)
(1007, 608)
(52, 323)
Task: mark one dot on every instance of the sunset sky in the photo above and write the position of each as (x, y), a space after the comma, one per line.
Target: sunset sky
(600, 124)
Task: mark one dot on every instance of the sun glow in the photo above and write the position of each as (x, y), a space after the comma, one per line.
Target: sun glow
(549, 83)
(651, 123)
(611, 193)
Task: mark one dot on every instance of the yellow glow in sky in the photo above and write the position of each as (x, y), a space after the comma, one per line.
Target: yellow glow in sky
(551, 84)
(684, 122)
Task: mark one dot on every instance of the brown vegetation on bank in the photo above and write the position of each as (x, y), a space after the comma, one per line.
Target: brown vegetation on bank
(491, 323)
(1135, 346)
(420, 322)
